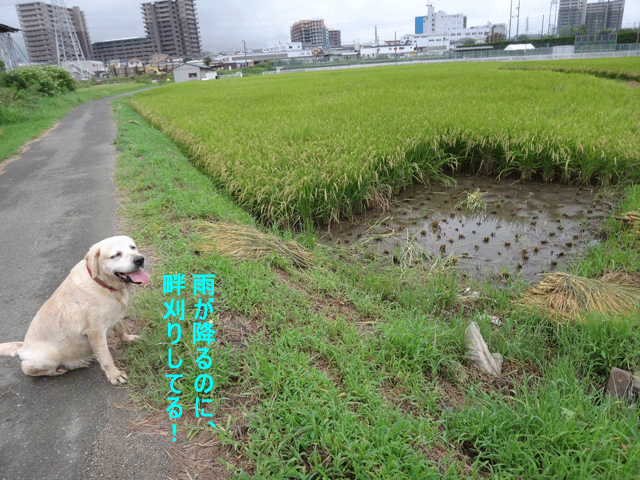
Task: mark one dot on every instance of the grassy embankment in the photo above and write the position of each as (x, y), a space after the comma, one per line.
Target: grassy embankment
(25, 115)
(353, 368)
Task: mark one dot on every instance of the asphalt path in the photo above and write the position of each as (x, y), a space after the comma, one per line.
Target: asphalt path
(56, 200)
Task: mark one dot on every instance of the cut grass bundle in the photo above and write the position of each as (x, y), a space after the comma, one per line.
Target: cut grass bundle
(243, 242)
(631, 220)
(570, 296)
(624, 278)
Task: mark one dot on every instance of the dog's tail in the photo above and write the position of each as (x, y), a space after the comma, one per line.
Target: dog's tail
(10, 348)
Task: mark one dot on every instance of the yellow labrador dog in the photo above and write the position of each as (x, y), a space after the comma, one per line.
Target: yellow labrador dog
(71, 328)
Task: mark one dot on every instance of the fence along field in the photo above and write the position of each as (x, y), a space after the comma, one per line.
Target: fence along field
(316, 147)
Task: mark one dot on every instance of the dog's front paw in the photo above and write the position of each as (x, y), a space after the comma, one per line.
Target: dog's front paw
(117, 377)
(130, 338)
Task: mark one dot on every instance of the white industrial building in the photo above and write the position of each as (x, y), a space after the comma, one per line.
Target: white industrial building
(430, 44)
(292, 49)
(79, 68)
(440, 22)
(399, 50)
(450, 27)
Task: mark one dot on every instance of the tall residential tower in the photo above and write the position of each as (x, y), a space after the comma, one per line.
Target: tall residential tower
(604, 15)
(38, 28)
(313, 33)
(571, 13)
(172, 26)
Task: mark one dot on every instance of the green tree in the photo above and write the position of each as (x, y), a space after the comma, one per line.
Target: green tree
(568, 31)
(207, 61)
(49, 80)
(469, 42)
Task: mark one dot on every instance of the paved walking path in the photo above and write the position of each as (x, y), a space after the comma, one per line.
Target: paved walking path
(56, 200)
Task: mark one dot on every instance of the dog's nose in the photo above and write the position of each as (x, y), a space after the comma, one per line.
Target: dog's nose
(138, 261)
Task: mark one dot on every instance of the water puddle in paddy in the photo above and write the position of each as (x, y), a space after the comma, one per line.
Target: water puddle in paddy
(515, 227)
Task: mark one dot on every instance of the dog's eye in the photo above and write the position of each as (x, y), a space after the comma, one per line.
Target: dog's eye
(133, 247)
(116, 255)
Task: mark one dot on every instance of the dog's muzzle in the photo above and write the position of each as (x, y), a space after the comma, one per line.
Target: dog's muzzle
(139, 277)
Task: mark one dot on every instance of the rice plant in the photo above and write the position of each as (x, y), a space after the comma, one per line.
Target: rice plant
(319, 147)
(473, 201)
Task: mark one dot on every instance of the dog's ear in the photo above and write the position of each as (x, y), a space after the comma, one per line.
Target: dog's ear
(92, 260)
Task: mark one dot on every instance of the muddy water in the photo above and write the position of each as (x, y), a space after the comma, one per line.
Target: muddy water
(515, 227)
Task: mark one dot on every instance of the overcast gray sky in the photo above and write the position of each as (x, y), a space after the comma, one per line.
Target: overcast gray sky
(224, 24)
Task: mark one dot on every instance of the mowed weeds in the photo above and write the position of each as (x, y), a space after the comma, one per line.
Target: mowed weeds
(299, 149)
(354, 368)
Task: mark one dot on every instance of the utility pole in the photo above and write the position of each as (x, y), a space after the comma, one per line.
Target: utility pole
(395, 45)
(510, 18)
(246, 63)
(518, 23)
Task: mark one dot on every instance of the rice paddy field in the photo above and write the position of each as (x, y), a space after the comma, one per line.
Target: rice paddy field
(299, 149)
(333, 362)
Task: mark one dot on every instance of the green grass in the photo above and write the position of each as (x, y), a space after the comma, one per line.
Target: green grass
(298, 149)
(353, 365)
(558, 427)
(24, 116)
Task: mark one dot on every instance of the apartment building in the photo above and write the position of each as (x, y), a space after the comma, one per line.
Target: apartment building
(598, 16)
(604, 15)
(335, 38)
(124, 49)
(571, 13)
(38, 29)
(314, 33)
(172, 26)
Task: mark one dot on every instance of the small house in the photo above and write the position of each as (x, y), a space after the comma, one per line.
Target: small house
(188, 72)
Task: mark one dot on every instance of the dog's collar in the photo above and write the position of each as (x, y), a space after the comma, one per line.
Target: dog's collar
(100, 282)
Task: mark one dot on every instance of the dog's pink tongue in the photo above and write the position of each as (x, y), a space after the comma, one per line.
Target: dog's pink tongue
(140, 277)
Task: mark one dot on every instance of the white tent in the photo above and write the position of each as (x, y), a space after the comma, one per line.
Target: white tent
(519, 46)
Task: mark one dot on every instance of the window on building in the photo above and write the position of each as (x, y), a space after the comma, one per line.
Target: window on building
(193, 75)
